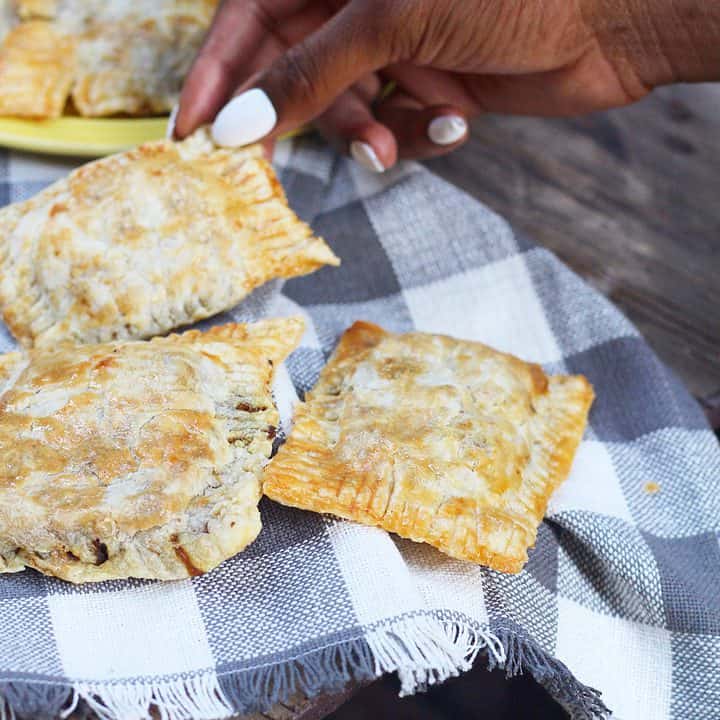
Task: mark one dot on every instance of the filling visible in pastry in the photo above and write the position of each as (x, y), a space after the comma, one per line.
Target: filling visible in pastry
(439, 440)
(136, 244)
(137, 459)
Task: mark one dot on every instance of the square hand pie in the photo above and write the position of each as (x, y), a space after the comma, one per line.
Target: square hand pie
(133, 69)
(137, 459)
(139, 243)
(131, 56)
(439, 440)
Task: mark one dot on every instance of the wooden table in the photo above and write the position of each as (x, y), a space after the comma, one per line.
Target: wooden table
(630, 199)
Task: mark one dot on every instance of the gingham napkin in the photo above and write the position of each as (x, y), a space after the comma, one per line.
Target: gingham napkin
(621, 594)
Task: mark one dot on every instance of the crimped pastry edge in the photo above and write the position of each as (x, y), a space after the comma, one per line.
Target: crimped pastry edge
(306, 455)
(277, 337)
(286, 247)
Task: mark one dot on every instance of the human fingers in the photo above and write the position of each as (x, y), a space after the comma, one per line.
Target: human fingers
(237, 32)
(350, 125)
(306, 80)
(422, 131)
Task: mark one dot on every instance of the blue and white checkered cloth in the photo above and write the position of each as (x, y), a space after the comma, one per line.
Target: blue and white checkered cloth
(621, 594)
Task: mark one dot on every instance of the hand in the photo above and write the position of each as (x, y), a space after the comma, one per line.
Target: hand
(327, 60)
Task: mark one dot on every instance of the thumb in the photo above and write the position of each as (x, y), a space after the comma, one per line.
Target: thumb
(305, 81)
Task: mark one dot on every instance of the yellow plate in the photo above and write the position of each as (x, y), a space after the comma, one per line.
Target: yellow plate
(82, 137)
(86, 137)
(92, 137)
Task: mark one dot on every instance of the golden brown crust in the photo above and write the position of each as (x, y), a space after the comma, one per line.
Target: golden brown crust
(134, 68)
(36, 9)
(439, 440)
(132, 56)
(360, 336)
(137, 459)
(37, 66)
(139, 243)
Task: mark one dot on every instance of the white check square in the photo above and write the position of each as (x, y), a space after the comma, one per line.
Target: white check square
(605, 651)
(592, 485)
(365, 553)
(495, 304)
(153, 627)
(444, 582)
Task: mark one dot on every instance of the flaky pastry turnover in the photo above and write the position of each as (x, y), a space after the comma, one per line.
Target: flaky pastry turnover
(141, 242)
(439, 440)
(137, 459)
(133, 56)
(112, 57)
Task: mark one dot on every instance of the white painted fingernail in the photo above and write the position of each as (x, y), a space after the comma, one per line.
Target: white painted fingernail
(247, 118)
(447, 129)
(363, 154)
(170, 129)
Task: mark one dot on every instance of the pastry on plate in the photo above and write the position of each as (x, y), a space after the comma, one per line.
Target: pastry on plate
(37, 68)
(133, 69)
(136, 244)
(439, 440)
(137, 459)
(132, 57)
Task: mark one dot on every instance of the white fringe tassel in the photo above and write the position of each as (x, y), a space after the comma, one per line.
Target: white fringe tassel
(197, 698)
(421, 648)
(424, 650)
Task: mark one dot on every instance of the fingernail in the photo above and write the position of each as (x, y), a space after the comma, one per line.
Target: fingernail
(363, 154)
(447, 129)
(170, 129)
(247, 118)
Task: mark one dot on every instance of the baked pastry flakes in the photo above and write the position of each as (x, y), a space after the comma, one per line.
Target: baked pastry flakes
(439, 440)
(35, 9)
(139, 243)
(132, 56)
(133, 69)
(37, 67)
(137, 459)
(76, 15)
